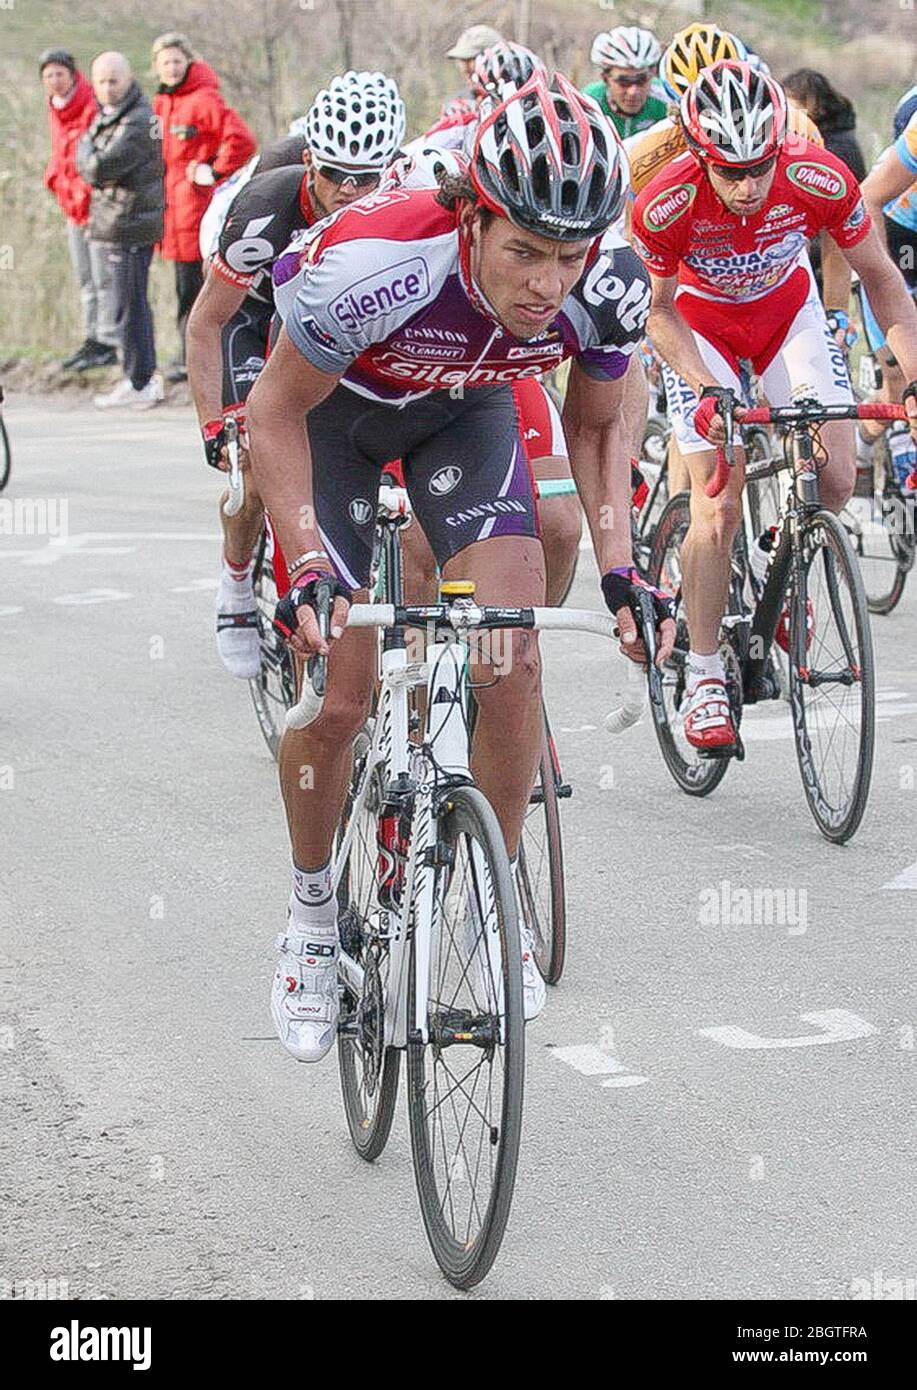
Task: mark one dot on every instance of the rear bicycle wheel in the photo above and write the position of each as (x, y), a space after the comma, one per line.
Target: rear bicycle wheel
(369, 1070)
(832, 679)
(540, 865)
(273, 690)
(465, 1085)
(695, 775)
(877, 526)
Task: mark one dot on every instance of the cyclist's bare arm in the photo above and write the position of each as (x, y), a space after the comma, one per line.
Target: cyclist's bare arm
(287, 389)
(214, 307)
(598, 435)
(895, 311)
(889, 179)
(671, 336)
(835, 274)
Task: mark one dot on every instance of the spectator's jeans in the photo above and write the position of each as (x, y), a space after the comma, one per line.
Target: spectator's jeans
(96, 291)
(130, 268)
(188, 281)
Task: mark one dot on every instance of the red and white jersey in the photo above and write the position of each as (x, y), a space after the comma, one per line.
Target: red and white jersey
(682, 228)
(381, 294)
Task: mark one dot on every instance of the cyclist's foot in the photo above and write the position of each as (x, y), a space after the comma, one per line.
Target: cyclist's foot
(238, 640)
(708, 719)
(304, 993)
(534, 990)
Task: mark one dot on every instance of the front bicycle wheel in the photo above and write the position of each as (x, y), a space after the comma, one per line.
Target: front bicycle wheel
(540, 866)
(695, 775)
(832, 679)
(465, 1083)
(369, 1070)
(273, 690)
(6, 455)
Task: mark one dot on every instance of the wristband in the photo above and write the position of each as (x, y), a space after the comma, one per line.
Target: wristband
(304, 559)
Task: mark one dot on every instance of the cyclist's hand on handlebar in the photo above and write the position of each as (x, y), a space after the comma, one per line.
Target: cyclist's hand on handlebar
(295, 616)
(841, 329)
(708, 420)
(214, 437)
(617, 588)
(909, 401)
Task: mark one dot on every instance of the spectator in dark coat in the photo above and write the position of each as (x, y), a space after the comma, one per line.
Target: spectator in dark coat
(832, 113)
(203, 140)
(71, 108)
(121, 157)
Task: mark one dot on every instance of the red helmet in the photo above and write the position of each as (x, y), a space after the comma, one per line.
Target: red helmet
(549, 161)
(734, 114)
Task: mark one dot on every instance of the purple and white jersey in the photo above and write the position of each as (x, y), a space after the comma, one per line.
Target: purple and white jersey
(381, 295)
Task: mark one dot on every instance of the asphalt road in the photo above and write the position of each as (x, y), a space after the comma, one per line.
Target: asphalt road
(713, 1109)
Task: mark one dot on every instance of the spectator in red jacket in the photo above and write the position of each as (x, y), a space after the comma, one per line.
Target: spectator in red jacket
(203, 141)
(71, 108)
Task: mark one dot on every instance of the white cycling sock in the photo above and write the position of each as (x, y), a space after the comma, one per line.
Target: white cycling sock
(236, 579)
(703, 668)
(312, 903)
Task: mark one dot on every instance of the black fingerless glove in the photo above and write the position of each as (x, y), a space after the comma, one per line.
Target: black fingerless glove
(301, 591)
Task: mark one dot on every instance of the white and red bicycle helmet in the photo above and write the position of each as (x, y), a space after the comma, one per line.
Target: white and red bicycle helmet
(549, 161)
(503, 62)
(734, 114)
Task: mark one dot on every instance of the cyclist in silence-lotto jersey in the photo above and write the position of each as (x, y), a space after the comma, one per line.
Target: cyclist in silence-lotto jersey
(629, 93)
(353, 130)
(723, 232)
(406, 321)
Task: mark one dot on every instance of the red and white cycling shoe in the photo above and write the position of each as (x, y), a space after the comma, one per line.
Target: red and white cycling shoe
(708, 719)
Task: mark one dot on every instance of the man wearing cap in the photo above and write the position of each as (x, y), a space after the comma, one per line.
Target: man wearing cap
(469, 44)
(71, 109)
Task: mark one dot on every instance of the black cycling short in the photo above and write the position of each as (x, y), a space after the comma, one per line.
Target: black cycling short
(244, 344)
(465, 469)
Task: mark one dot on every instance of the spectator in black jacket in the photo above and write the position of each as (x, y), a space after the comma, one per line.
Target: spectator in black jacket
(832, 113)
(120, 156)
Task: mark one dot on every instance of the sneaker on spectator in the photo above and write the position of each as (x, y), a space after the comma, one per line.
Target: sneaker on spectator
(96, 355)
(70, 362)
(123, 394)
(148, 395)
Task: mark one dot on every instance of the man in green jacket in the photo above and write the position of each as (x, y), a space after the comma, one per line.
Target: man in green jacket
(628, 93)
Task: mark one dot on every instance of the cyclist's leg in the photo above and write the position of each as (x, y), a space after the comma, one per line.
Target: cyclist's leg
(484, 528)
(560, 518)
(707, 546)
(809, 362)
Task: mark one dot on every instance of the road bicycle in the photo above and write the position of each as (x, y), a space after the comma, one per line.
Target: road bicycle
(6, 453)
(811, 604)
(429, 962)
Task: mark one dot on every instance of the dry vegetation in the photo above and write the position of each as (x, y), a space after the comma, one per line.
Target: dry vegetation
(273, 55)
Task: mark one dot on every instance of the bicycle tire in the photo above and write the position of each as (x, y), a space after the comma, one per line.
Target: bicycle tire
(544, 905)
(465, 1260)
(695, 776)
(273, 690)
(369, 1126)
(884, 575)
(6, 455)
(839, 823)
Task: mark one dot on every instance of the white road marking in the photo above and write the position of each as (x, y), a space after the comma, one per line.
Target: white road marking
(8, 609)
(580, 729)
(837, 1025)
(907, 879)
(758, 727)
(59, 547)
(589, 1060)
(92, 596)
(195, 586)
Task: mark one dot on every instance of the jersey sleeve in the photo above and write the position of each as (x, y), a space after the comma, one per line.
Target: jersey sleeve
(614, 296)
(251, 238)
(906, 145)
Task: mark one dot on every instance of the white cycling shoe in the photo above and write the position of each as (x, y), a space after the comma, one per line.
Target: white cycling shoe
(534, 989)
(238, 639)
(487, 976)
(304, 994)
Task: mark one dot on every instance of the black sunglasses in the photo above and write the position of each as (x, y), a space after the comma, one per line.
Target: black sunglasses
(641, 81)
(341, 176)
(734, 174)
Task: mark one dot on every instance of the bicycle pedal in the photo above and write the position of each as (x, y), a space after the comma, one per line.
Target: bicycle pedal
(564, 791)
(734, 750)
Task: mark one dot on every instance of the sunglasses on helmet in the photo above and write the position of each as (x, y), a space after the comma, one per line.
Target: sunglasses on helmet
(339, 177)
(734, 173)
